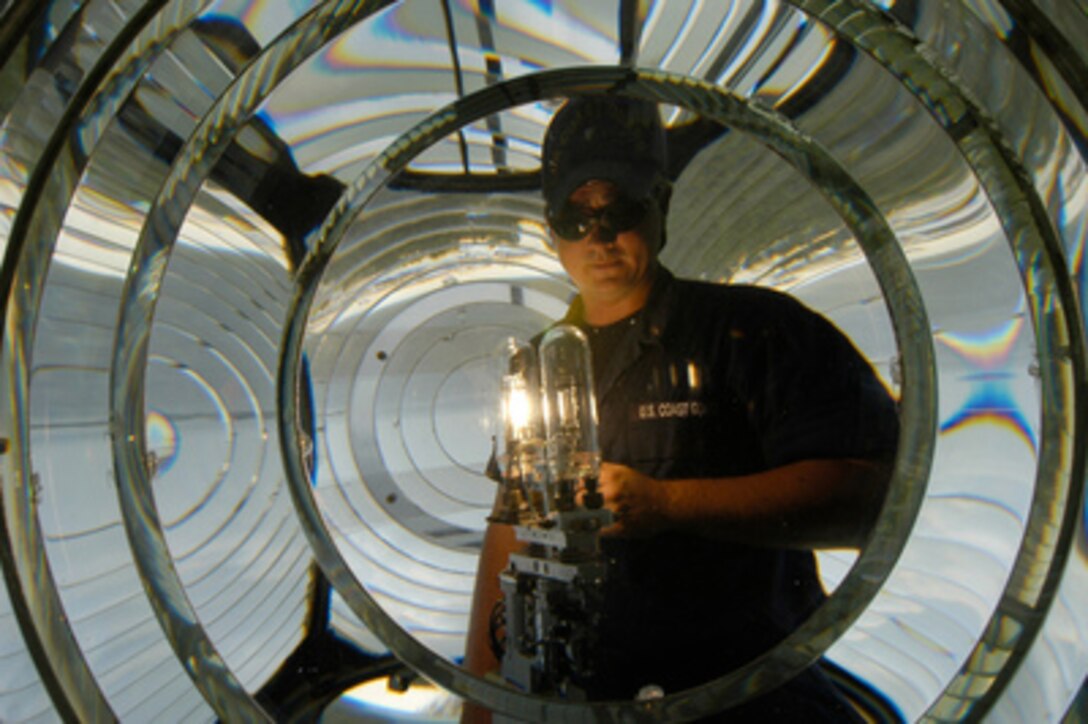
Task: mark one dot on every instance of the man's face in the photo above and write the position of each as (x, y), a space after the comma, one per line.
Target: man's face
(607, 265)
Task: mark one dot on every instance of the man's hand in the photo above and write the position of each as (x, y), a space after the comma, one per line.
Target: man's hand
(638, 502)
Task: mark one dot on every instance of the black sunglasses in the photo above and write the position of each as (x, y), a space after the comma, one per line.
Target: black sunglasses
(573, 223)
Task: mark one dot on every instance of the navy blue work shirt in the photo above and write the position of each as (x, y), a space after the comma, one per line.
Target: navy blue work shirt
(712, 380)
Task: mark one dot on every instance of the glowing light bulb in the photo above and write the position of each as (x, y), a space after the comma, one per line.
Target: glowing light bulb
(525, 489)
(518, 409)
(520, 392)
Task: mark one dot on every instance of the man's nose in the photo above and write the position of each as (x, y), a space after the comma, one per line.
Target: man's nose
(602, 233)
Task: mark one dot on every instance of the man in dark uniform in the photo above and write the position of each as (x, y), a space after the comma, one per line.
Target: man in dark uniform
(739, 431)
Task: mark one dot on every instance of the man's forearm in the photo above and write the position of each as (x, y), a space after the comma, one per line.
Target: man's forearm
(808, 504)
(498, 542)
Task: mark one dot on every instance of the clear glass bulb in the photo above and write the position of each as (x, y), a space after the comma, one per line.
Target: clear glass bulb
(570, 409)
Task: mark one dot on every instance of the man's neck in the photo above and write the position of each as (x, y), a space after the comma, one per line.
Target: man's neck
(602, 310)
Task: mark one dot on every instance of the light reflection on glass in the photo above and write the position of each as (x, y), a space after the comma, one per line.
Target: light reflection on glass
(990, 399)
(163, 441)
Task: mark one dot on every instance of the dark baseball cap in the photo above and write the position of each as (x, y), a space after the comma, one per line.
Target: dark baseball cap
(613, 138)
